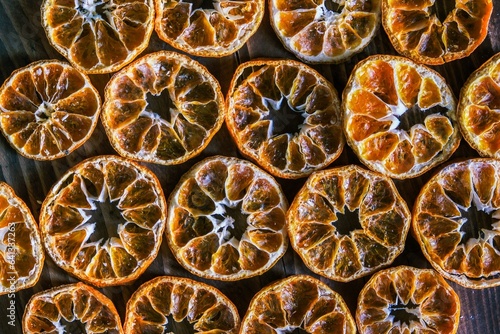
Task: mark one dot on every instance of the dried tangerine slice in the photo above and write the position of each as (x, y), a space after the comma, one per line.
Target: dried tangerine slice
(71, 308)
(21, 250)
(48, 109)
(226, 220)
(479, 109)
(325, 31)
(208, 28)
(456, 225)
(399, 117)
(170, 304)
(348, 222)
(284, 115)
(299, 303)
(98, 36)
(436, 32)
(104, 219)
(407, 300)
(163, 108)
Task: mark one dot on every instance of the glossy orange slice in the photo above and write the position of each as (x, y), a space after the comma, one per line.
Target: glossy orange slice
(169, 304)
(285, 116)
(163, 108)
(348, 222)
(48, 109)
(399, 116)
(104, 219)
(226, 220)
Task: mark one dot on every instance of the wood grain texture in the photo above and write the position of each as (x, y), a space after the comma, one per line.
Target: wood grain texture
(22, 41)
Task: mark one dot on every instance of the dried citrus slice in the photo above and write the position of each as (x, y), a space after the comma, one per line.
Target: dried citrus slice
(435, 32)
(479, 109)
(348, 222)
(170, 304)
(284, 115)
(325, 31)
(455, 221)
(103, 220)
(208, 28)
(48, 109)
(21, 251)
(163, 108)
(72, 308)
(98, 36)
(226, 220)
(399, 116)
(298, 303)
(407, 300)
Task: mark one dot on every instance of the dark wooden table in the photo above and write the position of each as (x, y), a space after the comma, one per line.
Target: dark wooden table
(22, 41)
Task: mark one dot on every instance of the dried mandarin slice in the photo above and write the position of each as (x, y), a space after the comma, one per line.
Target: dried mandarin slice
(98, 36)
(48, 109)
(170, 304)
(325, 31)
(455, 222)
(104, 219)
(407, 300)
(399, 116)
(208, 28)
(348, 222)
(21, 251)
(226, 220)
(436, 32)
(163, 108)
(285, 116)
(479, 109)
(298, 303)
(71, 308)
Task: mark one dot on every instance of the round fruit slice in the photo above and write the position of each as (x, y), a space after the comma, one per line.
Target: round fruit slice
(163, 108)
(455, 221)
(98, 36)
(72, 308)
(226, 220)
(325, 31)
(179, 305)
(48, 109)
(21, 251)
(479, 109)
(435, 32)
(208, 28)
(407, 300)
(399, 117)
(299, 303)
(286, 116)
(103, 220)
(348, 222)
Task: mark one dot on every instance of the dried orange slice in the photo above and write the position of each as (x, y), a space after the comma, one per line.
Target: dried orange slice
(48, 109)
(163, 108)
(226, 220)
(479, 109)
(407, 300)
(455, 222)
(170, 304)
(208, 28)
(399, 116)
(298, 303)
(71, 308)
(348, 222)
(325, 31)
(98, 36)
(103, 220)
(430, 32)
(21, 251)
(284, 115)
